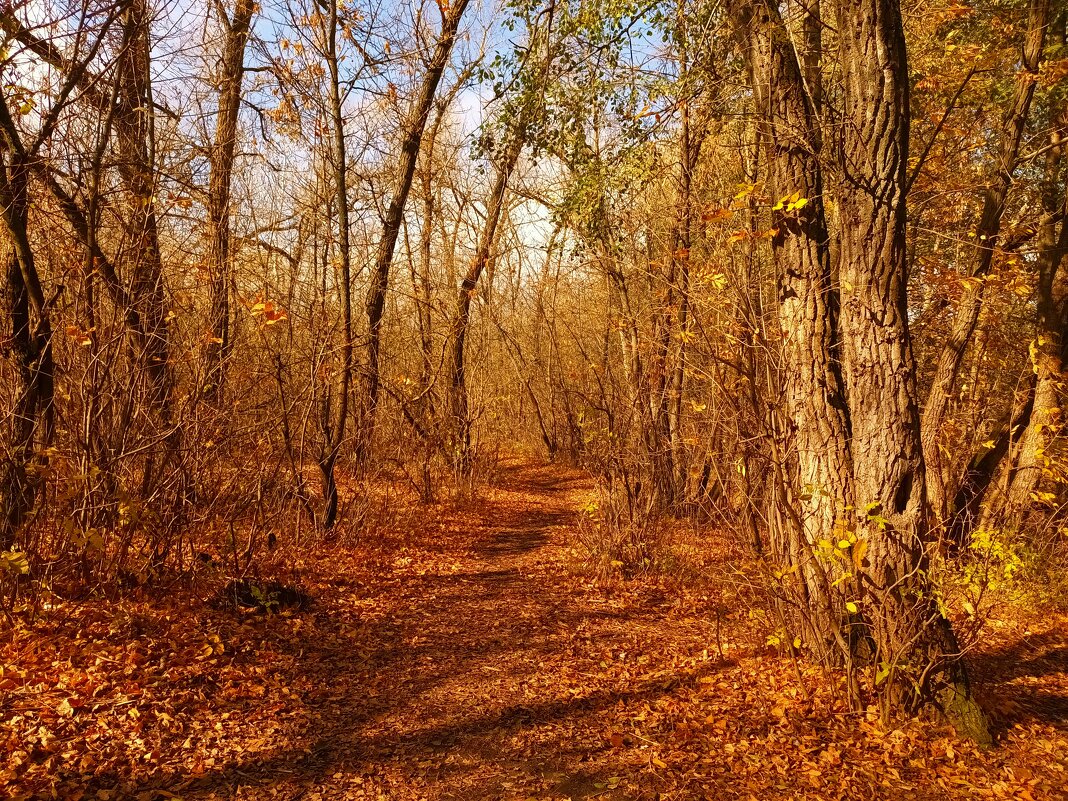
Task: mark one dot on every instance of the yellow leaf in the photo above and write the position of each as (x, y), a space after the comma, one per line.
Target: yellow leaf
(851, 607)
(744, 190)
(860, 547)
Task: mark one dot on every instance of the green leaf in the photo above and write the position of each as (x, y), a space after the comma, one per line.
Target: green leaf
(882, 673)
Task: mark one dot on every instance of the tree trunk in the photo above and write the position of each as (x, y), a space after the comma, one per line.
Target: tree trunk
(458, 401)
(848, 369)
(815, 398)
(231, 73)
(409, 156)
(29, 343)
(917, 652)
(1048, 350)
(136, 137)
(689, 150)
(940, 490)
(336, 402)
(122, 111)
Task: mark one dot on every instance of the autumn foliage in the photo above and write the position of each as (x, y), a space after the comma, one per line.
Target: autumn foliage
(569, 399)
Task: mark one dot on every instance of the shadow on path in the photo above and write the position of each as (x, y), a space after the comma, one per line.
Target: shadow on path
(467, 683)
(1011, 675)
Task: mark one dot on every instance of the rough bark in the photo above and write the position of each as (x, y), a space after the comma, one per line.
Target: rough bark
(848, 369)
(818, 417)
(915, 644)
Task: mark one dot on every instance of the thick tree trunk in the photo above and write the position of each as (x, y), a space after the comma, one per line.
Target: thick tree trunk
(916, 648)
(940, 488)
(29, 343)
(848, 369)
(409, 156)
(816, 407)
(231, 74)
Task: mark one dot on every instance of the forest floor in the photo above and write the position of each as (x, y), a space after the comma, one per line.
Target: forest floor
(469, 658)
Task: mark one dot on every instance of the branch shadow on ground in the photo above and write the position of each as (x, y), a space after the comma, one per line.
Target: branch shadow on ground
(1039, 656)
(442, 630)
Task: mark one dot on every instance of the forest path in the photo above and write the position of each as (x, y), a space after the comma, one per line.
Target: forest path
(483, 672)
(464, 656)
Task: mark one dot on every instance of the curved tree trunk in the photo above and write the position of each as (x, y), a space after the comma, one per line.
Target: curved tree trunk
(409, 156)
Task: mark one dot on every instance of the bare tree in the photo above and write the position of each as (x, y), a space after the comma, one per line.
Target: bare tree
(231, 73)
(411, 141)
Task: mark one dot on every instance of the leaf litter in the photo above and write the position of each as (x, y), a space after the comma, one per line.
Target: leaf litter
(471, 659)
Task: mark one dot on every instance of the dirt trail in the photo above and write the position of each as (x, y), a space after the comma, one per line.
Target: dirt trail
(487, 679)
(467, 659)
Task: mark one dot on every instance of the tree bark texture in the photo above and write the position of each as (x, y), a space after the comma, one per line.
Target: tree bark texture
(849, 374)
(807, 314)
